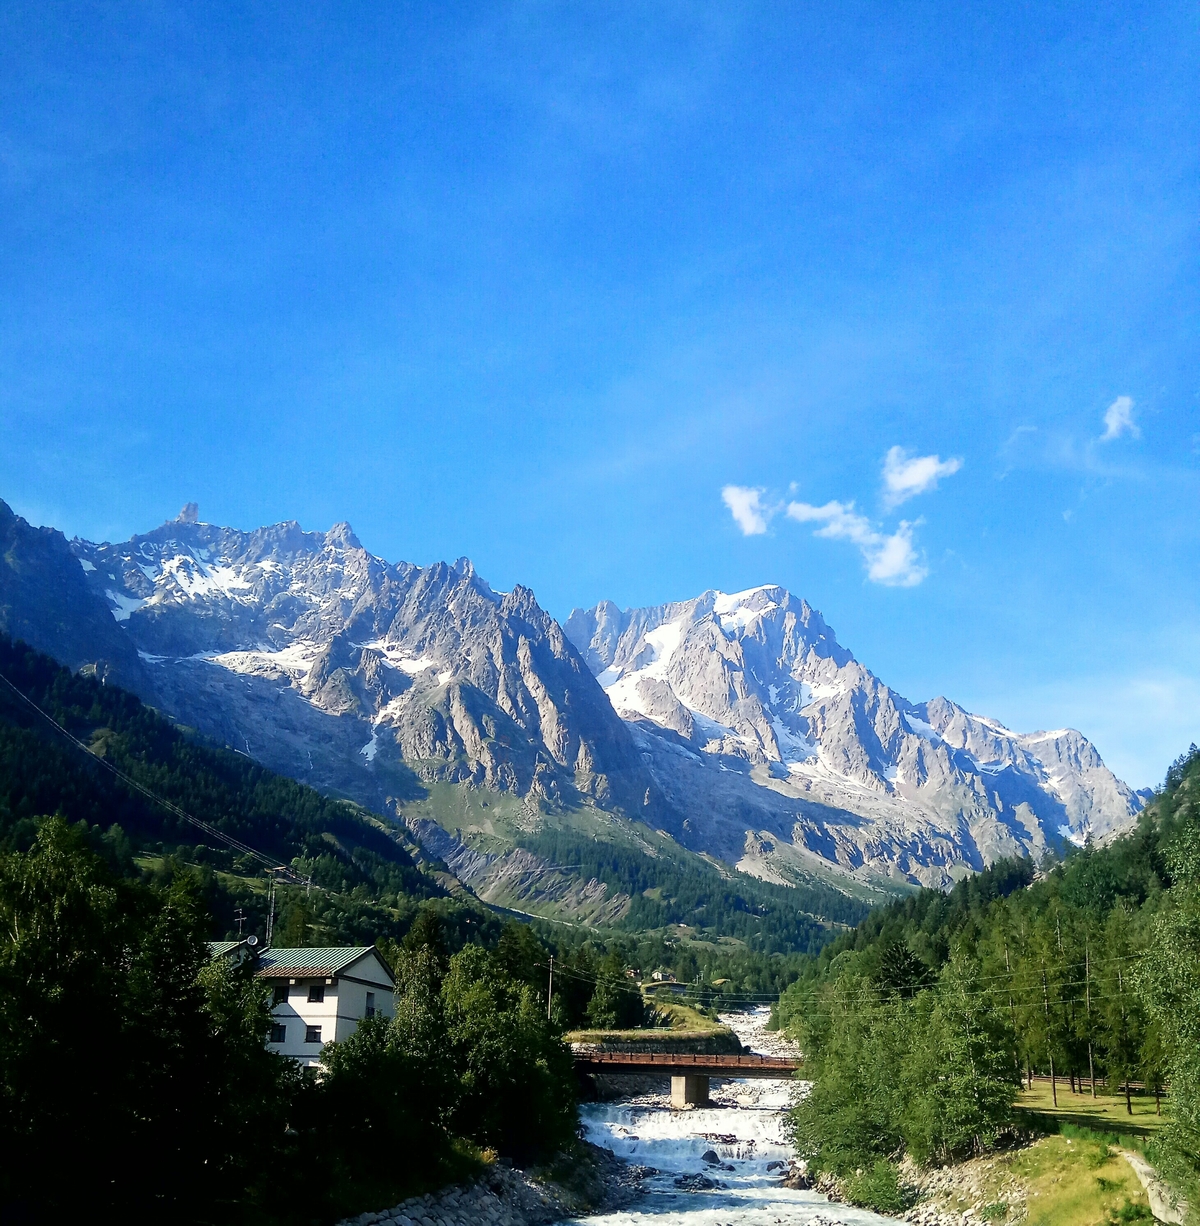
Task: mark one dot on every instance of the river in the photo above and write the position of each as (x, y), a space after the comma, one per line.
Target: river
(743, 1126)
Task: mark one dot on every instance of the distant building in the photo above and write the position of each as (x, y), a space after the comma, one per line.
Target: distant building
(319, 995)
(662, 975)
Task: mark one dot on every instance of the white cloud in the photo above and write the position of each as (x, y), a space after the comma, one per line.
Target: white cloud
(890, 560)
(905, 475)
(746, 506)
(1118, 420)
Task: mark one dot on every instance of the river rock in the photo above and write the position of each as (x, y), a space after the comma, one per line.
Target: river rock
(695, 1183)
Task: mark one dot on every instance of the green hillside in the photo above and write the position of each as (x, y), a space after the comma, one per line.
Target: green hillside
(370, 884)
(651, 881)
(921, 1026)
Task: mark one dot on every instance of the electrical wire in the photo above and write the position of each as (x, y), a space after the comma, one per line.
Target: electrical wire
(1030, 994)
(270, 862)
(1033, 990)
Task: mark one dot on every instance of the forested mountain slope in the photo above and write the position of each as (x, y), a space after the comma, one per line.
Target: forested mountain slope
(364, 862)
(1091, 970)
(345, 850)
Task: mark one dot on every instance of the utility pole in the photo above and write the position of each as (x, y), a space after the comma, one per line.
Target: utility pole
(1012, 1009)
(1087, 995)
(1049, 1040)
(271, 913)
(550, 989)
(1124, 1035)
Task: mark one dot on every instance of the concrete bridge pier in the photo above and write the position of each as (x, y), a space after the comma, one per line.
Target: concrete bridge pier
(689, 1091)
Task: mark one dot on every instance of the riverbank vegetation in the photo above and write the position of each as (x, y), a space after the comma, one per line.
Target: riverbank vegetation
(920, 1027)
(1057, 1180)
(122, 1035)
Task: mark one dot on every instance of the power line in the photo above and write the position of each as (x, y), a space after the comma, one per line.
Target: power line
(270, 862)
(561, 970)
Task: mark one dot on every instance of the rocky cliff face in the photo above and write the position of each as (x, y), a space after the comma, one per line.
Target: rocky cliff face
(316, 657)
(738, 723)
(750, 712)
(45, 600)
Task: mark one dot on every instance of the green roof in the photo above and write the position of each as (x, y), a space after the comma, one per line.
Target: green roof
(323, 960)
(217, 949)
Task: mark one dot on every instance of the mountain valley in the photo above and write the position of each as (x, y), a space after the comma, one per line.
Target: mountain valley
(734, 728)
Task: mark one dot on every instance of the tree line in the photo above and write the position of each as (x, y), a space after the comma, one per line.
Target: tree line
(768, 918)
(921, 1025)
(361, 862)
(140, 1061)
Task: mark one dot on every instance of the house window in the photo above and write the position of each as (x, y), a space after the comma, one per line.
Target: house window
(316, 993)
(312, 1034)
(370, 1004)
(278, 1034)
(280, 994)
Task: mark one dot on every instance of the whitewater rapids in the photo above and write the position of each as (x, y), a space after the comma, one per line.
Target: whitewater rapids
(743, 1126)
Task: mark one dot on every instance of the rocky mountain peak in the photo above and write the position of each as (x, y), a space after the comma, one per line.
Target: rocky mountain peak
(521, 603)
(415, 664)
(736, 720)
(341, 536)
(749, 697)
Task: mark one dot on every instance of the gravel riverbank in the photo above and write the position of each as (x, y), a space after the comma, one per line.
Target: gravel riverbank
(1050, 1178)
(506, 1196)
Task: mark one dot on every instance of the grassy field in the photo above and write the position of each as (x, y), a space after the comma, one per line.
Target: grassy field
(1075, 1176)
(1079, 1183)
(685, 1022)
(1105, 1113)
(1056, 1181)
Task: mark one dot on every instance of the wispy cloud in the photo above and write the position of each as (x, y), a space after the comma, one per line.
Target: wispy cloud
(746, 505)
(905, 476)
(1118, 420)
(891, 559)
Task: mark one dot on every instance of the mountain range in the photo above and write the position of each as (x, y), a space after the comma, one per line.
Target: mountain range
(734, 727)
(749, 711)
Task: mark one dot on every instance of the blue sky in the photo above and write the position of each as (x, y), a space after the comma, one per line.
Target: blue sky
(537, 283)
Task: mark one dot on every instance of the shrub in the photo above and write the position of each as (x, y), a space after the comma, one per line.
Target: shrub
(878, 1188)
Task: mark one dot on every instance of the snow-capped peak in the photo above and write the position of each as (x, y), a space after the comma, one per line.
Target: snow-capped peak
(758, 677)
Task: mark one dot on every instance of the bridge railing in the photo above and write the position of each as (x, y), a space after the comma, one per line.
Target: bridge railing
(726, 1065)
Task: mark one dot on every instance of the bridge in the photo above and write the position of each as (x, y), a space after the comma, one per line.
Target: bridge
(689, 1072)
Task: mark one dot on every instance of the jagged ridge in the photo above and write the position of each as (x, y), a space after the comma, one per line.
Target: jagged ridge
(749, 709)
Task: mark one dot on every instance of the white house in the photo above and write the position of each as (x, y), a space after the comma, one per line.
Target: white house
(318, 996)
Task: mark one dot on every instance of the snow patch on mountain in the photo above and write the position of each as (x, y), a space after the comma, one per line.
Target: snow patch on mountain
(124, 605)
(326, 662)
(830, 755)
